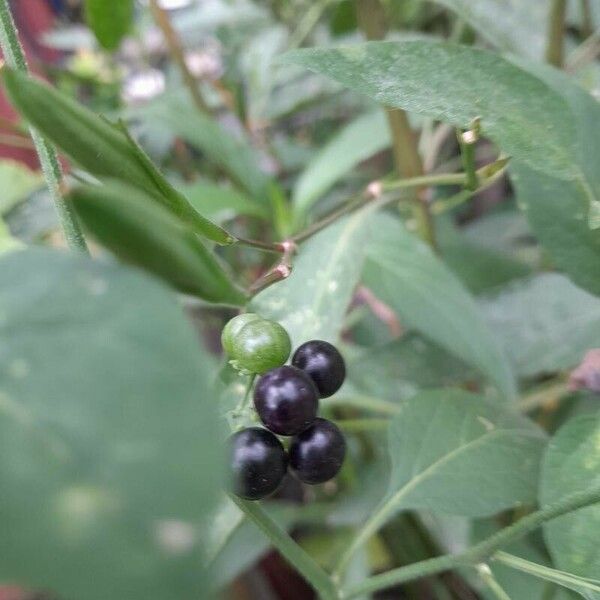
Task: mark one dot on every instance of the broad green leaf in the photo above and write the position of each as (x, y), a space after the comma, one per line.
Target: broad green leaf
(572, 464)
(510, 25)
(142, 233)
(221, 203)
(545, 323)
(234, 155)
(404, 273)
(559, 212)
(356, 142)
(460, 454)
(455, 84)
(399, 369)
(110, 20)
(108, 434)
(312, 301)
(103, 149)
(480, 268)
(16, 183)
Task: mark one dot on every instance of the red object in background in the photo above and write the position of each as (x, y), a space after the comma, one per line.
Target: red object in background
(33, 18)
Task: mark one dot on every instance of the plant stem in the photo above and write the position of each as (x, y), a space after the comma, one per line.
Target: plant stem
(467, 153)
(556, 33)
(480, 552)
(490, 581)
(373, 22)
(176, 50)
(15, 58)
(547, 396)
(277, 247)
(289, 549)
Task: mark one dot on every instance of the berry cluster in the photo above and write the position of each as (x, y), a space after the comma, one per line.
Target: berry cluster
(286, 399)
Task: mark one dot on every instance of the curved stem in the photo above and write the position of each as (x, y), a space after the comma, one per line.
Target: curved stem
(15, 58)
(480, 552)
(556, 33)
(288, 548)
(486, 575)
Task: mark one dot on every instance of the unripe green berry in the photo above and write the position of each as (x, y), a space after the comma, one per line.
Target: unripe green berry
(232, 329)
(261, 345)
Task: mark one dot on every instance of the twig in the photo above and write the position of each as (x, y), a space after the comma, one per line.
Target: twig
(467, 140)
(282, 270)
(15, 58)
(478, 553)
(176, 50)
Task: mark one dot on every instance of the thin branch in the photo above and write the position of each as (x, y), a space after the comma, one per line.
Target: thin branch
(289, 549)
(479, 553)
(161, 18)
(544, 398)
(486, 575)
(15, 58)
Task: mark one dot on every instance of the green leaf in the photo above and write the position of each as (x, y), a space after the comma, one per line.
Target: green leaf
(357, 141)
(312, 301)
(460, 454)
(105, 150)
(234, 155)
(455, 84)
(221, 203)
(572, 464)
(16, 183)
(559, 212)
(143, 233)
(110, 20)
(404, 273)
(401, 368)
(108, 438)
(516, 26)
(457, 453)
(545, 323)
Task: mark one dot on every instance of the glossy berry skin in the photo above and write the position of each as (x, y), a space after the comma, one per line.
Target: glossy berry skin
(232, 329)
(258, 463)
(261, 345)
(317, 454)
(323, 363)
(286, 400)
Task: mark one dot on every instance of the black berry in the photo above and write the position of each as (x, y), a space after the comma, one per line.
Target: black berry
(286, 400)
(317, 454)
(258, 463)
(325, 365)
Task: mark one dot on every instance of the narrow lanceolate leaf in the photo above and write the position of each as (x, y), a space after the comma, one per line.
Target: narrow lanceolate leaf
(518, 27)
(545, 323)
(312, 302)
(455, 84)
(103, 149)
(142, 233)
(561, 213)
(456, 453)
(572, 464)
(105, 415)
(408, 277)
(234, 155)
(110, 20)
(356, 142)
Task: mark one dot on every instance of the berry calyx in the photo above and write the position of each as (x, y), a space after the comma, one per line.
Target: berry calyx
(323, 363)
(317, 454)
(286, 400)
(258, 463)
(254, 344)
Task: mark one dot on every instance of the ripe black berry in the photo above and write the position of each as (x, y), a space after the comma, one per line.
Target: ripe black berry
(317, 454)
(325, 365)
(286, 400)
(258, 463)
